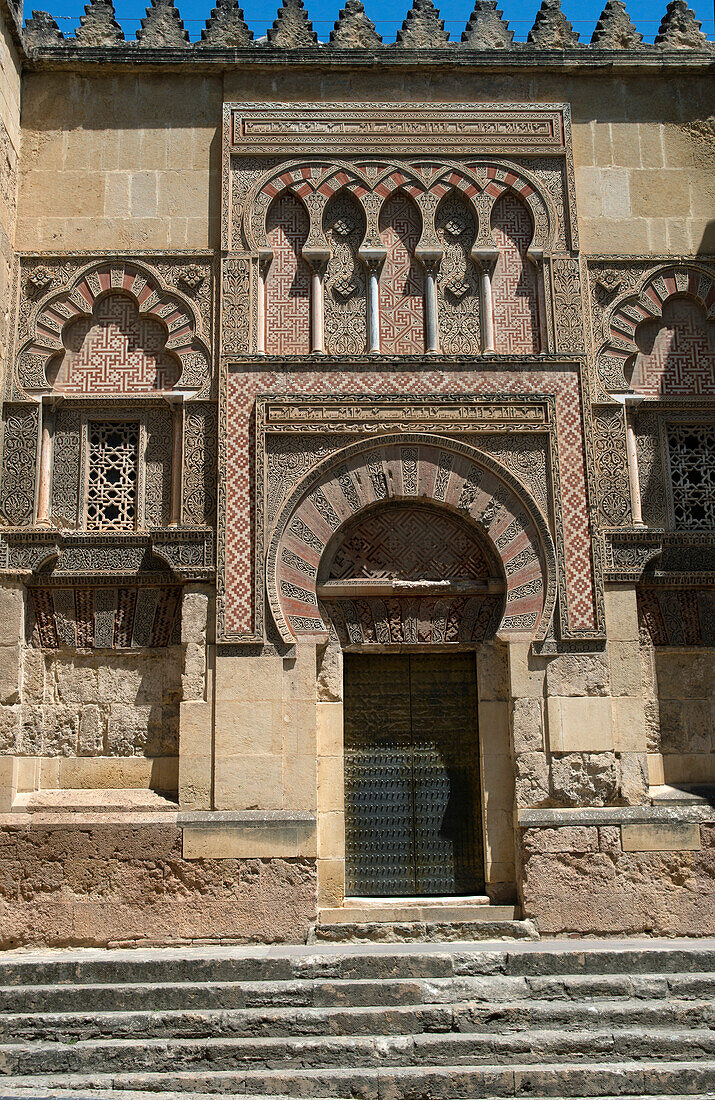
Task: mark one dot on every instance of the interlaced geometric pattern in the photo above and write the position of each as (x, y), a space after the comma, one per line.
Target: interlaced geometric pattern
(514, 286)
(458, 278)
(288, 281)
(345, 297)
(112, 476)
(691, 448)
(405, 542)
(677, 354)
(401, 279)
(114, 352)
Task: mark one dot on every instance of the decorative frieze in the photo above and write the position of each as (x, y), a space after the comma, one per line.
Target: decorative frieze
(261, 129)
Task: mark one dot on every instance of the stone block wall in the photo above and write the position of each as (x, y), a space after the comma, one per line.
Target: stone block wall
(120, 163)
(129, 163)
(620, 879)
(9, 161)
(91, 883)
(679, 700)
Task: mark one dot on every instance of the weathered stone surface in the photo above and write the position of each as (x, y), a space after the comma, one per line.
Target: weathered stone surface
(98, 26)
(532, 779)
(354, 29)
(679, 29)
(10, 664)
(292, 28)
(578, 674)
(162, 26)
(552, 30)
(41, 30)
(633, 777)
(195, 610)
(493, 671)
(9, 729)
(614, 29)
(584, 779)
(422, 28)
(660, 838)
(68, 885)
(527, 725)
(616, 892)
(194, 673)
(91, 730)
(486, 29)
(330, 674)
(226, 26)
(575, 838)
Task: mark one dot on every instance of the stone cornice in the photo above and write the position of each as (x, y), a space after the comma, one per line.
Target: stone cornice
(520, 58)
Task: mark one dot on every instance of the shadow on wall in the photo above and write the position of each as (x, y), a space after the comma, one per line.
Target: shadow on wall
(707, 244)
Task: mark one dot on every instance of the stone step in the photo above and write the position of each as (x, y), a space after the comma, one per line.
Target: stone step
(90, 967)
(395, 913)
(352, 992)
(435, 928)
(281, 1022)
(112, 1094)
(565, 1080)
(369, 1051)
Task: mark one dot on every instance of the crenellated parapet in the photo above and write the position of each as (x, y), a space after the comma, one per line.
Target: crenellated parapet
(422, 31)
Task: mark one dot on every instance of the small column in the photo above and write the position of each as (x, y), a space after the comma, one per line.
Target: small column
(373, 259)
(536, 256)
(318, 260)
(176, 403)
(431, 262)
(487, 259)
(47, 446)
(264, 262)
(632, 401)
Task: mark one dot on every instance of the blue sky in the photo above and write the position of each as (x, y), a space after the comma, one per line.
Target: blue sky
(387, 14)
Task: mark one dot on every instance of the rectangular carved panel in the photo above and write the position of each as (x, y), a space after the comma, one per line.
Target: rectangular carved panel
(262, 129)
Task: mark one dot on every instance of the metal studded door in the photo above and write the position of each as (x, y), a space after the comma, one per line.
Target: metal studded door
(412, 806)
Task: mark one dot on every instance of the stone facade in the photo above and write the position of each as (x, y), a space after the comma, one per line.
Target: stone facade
(411, 356)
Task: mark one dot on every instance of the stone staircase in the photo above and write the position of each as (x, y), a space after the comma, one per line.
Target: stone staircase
(408, 1022)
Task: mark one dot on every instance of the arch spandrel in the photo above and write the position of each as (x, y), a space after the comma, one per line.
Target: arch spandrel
(427, 470)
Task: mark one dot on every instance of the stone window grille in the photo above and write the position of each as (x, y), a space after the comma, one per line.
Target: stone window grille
(691, 455)
(112, 475)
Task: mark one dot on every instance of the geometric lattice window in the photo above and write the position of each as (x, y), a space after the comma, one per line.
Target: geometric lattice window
(691, 449)
(112, 476)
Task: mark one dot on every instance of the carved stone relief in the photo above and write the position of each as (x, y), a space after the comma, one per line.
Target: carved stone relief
(200, 462)
(17, 484)
(458, 278)
(344, 281)
(612, 482)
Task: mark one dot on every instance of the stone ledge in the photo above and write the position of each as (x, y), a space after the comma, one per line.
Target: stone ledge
(209, 819)
(71, 819)
(614, 815)
(520, 56)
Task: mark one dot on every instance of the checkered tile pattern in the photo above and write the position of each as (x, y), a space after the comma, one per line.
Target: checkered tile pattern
(245, 383)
